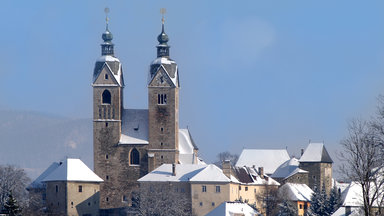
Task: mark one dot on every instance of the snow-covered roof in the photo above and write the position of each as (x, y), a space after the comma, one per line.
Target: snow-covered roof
(186, 144)
(316, 152)
(288, 169)
(184, 172)
(134, 130)
(72, 169)
(187, 173)
(233, 208)
(134, 126)
(249, 175)
(355, 211)
(105, 58)
(38, 182)
(169, 66)
(210, 173)
(353, 195)
(114, 66)
(296, 192)
(339, 185)
(270, 159)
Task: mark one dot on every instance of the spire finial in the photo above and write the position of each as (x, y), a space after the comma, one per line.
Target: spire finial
(106, 10)
(163, 11)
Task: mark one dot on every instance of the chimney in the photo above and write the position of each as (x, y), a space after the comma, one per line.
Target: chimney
(347, 210)
(302, 152)
(151, 162)
(261, 172)
(174, 169)
(227, 168)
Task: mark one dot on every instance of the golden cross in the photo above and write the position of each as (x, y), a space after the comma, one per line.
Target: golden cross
(163, 11)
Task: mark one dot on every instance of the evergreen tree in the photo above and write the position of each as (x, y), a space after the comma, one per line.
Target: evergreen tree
(11, 206)
(334, 200)
(287, 209)
(319, 203)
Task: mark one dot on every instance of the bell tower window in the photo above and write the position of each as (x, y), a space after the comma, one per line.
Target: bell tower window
(106, 97)
(161, 99)
(134, 157)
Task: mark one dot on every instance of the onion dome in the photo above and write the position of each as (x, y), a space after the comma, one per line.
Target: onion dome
(107, 36)
(163, 37)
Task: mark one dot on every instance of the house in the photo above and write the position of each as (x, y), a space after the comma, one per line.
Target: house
(298, 194)
(233, 209)
(353, 203)
(204, 187)
(289, 171)
(71, 189)
(316, 160)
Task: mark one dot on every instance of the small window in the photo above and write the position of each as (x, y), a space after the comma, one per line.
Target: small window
(201, 203)
(107, 177)
(80, 188)
(106, 76)
(239, 188)
(161, 144)
(89, 204)
(246, 188)
(106, 156)
(106, 124)
(301, 206)
(135, 157)
(57, 188)
(161, 129)
(161, 156)
(107, 199)
(217, 189)
(125, 199)
(314, 177)
(161, 99)
(213, 203)
(106, 97)
(203, 188)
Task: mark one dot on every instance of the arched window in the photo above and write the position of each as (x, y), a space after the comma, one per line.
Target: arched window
(134, 157)
(106, 97)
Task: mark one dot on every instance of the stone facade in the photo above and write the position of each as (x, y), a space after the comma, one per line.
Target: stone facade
(72, 198)
(319, 174)
(113, 160)
(300, 178)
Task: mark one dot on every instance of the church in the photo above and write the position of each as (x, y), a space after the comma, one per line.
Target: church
(129, 143)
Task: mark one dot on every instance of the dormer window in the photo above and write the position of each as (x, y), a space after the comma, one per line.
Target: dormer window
(161, 99)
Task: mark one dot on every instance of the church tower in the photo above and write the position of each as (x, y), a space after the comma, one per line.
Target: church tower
(163, 107)
(108, 87)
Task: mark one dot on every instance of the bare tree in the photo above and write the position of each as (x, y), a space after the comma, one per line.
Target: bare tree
(13, 179)
(269, 199)
(363, 163)
(222, 156)
(163, 199)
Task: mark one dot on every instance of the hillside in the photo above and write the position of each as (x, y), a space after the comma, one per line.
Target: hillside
(34, 140)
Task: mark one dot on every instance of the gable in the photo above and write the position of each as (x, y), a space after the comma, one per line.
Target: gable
(105, 76)
(161, 79)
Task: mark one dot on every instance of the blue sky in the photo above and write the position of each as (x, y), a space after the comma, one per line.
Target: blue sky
(254, 74)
